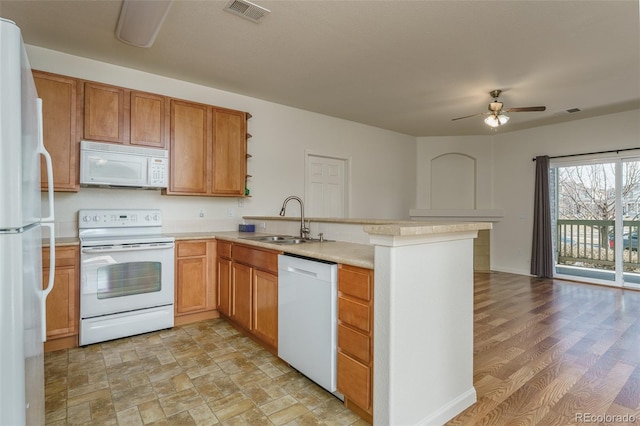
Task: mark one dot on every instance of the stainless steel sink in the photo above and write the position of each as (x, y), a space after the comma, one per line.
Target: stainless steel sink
(276, 239)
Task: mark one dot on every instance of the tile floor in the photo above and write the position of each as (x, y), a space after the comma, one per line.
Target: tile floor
(205, 373)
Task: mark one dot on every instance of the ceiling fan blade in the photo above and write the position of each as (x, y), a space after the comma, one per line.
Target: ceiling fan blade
(472, 115)
(526, 109)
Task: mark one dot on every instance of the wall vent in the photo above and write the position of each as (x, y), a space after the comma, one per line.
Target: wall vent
(247, 10)
(572, 110)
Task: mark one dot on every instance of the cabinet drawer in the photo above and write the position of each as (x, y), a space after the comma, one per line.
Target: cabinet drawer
(354, 380)
(65, 257)
(354, 313)
(354, 343)
(196, 248)
(224, 249)
(355, 282)
(259, 259)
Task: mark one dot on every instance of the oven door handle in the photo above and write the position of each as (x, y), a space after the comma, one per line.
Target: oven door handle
(161, 246)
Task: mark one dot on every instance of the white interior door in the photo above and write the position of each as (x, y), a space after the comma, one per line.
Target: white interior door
(326, 186)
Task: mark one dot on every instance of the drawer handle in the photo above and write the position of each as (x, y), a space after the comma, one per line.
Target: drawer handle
(302, 271)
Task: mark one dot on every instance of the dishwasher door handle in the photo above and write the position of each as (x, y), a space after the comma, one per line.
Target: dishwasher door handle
(301, 271)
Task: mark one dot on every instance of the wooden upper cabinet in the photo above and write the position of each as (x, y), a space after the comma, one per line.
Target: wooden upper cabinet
(119, 115)
(229, 152)
(208, 150)
(190, 142)
(59, 96)
(104, 113)
(148, 120)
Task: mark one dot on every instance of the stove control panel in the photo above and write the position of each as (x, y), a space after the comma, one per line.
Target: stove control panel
(112, 218)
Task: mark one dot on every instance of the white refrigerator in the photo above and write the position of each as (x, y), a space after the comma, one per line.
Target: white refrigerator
(22, 298)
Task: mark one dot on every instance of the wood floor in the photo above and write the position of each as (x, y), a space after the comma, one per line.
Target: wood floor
(552, 352)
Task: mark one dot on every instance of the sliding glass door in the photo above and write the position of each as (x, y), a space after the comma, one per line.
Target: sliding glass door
(596, 213)
(628, 237)
(585, 218)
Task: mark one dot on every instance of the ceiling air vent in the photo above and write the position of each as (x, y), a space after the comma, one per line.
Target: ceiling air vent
(572, 110)
(247, 10)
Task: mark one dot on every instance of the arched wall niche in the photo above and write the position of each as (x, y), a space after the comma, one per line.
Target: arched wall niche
(453, 181)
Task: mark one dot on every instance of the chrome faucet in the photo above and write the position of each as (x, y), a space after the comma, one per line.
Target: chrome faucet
(304, 230)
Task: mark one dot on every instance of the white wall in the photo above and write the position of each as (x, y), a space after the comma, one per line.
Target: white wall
(382, 169)
(477, 147)
(505, 172)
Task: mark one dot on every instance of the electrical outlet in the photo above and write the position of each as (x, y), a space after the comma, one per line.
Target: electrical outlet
(240, 202)
(201, 212)
(230, 212)
(263, 225)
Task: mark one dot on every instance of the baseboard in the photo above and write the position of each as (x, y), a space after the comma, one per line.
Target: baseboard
(198, 316)
(510, 270)
(452, 409)
(61, 343)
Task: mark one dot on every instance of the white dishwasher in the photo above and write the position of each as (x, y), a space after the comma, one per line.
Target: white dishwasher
(307, 317)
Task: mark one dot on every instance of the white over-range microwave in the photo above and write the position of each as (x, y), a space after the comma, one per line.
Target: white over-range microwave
(121, 166)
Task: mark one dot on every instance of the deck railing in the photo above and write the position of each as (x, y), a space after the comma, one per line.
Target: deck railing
(590, 243)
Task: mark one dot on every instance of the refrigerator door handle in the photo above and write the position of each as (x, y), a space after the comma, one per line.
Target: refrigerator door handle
(42, 150)
(52, 276)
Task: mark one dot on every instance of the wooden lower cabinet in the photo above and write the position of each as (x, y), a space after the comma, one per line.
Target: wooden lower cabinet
(241, 294)
(265, 307)
(195, 283)
(62, 303)
(224, 278)
(248, 290)
(355, 339)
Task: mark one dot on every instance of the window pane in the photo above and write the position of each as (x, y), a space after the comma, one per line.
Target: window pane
(585, 220)
(631, 220)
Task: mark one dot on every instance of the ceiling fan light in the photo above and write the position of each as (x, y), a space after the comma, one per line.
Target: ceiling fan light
(140, 21)
(491, 121)
(496, 120)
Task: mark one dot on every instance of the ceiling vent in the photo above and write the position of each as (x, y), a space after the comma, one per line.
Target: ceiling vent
(247, 10)
(572, 110)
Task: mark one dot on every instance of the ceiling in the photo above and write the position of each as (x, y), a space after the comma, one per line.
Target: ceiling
(406, 66)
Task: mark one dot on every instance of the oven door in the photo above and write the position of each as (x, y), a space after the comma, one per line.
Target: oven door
(124, 278)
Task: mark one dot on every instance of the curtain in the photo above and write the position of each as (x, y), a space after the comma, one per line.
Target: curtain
(541, 250)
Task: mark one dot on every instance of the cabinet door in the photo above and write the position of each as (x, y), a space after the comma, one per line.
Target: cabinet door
(191, 290)
(195, 276)
(229, 152)
(354, 381)
(265, 307)
(189, 148)
(148, 120)
(241, 297)
(104, 113)
(62, 302)
(59, 122)
(224, 286)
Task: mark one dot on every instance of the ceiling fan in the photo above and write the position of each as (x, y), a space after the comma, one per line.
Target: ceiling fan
(496, 116)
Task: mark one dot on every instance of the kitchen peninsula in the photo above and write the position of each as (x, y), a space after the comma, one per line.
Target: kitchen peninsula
(418, 303)
(423, 315)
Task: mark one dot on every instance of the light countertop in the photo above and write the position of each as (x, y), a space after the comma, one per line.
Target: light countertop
(62, 241)
(334, 251)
